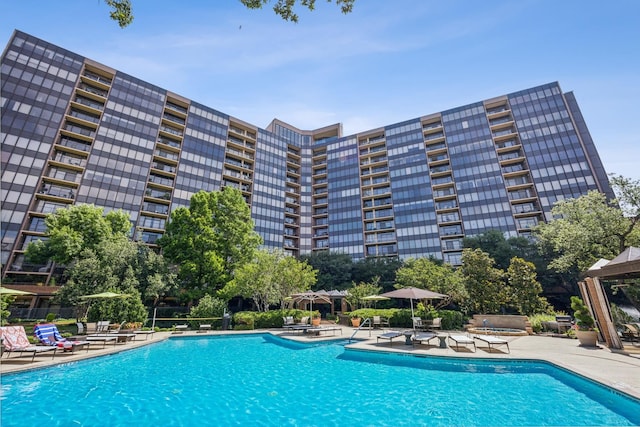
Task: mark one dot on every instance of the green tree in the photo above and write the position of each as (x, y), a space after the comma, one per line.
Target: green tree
(586, 229)
(484, 282)
(285, 8)
(524, 290)
(109, 269)
(426, 273)
(500, 248)
(358, 291)
(5, 302)
(73, 230)
(122, 13)
(270, 279)
(365, 270)
(208, 306)
(334, 269)
(210, 239)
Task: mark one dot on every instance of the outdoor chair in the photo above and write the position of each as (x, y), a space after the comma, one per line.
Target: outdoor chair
(14, 340)
(422, 337)
(379, 322)
(435, 323)
(462, 339)
(48, 334)
(493, 341)
(391, 335)
(631, 332)
(418, 324)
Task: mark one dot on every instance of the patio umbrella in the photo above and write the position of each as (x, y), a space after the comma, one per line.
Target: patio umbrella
(311, 297)
(101, 295)
(375, 298)
(412, 293)
(108, 294)
(7, 291)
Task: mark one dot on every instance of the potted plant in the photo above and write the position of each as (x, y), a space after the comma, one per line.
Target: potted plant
(355, 321)
(315, 320)
(585, 329)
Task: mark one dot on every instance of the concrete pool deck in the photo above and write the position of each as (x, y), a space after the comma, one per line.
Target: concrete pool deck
(617, 369)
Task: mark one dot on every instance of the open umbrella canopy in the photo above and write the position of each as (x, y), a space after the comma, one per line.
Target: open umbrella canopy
(412, 293)
(311, 297)
(7, 291)
(105, 295)
(375, 298)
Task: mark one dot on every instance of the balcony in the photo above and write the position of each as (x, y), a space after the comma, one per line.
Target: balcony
(97, 77)
(178, 120)
(80, 130)
(76, 144)
(92, 118)
(57, 191)
(171, 130)
(70, 159)
(89, 102)
(175, 107)
(93, 90)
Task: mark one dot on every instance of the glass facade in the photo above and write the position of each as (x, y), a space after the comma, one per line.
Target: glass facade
(76, 131)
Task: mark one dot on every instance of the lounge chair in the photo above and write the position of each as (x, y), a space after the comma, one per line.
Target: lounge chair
(316, 330)
(462, 339)
(303, 324)
(180, 328)
(493, 341)
(391, 335)
(103, 338)
(422, 337)
(204, 328)
(14, 340)
(48, 334)
(379, 321)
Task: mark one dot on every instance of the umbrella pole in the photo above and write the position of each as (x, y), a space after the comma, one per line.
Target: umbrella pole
(412, 316)
(153, 324)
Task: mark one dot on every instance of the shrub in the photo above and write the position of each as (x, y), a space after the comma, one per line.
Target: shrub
(538, 321)
(50, 317)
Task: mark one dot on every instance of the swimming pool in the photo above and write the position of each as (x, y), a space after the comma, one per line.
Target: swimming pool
(264, 380)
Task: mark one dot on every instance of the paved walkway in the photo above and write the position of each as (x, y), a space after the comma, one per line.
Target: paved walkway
(617, 369)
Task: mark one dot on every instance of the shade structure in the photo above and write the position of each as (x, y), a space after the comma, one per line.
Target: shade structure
(375, 298)
(311, 297)
(104, 295)
(412, 293)
(7, 291)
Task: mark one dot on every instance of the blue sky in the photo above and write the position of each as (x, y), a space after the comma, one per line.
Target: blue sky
(386, 62)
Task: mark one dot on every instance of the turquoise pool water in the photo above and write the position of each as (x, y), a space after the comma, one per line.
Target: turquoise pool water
(260, 380)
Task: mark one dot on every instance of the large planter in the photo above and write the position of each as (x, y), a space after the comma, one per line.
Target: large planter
(315, 321)
(587, 338)
(355, 322)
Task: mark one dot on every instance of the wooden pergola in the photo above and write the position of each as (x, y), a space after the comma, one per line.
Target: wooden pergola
(624, 266)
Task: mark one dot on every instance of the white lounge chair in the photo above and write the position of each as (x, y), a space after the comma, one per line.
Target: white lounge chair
(315, 331)
(15, 340)
(422, 337)
(491, 341)
(462, 339)
(391, 335)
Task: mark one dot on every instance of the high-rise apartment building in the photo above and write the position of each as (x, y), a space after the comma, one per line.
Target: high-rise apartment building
(77, 131)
